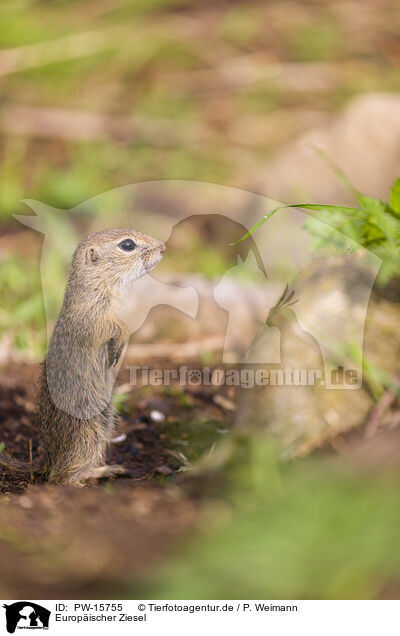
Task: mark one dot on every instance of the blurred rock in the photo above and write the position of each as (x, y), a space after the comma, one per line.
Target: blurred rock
(364, 141)
(301, 418)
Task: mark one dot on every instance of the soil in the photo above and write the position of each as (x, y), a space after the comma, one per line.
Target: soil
(101, 541)
(59, 542)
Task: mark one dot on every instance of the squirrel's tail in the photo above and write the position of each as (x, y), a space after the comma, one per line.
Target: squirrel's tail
(9, 462)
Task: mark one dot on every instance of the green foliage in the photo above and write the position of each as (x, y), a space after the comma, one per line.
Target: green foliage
(187, 439)
(240, 26)
(317, 41)
(395, 197)
(21, 313)
(319, 532)
(120, 403)
(374, 225)
(153, 76)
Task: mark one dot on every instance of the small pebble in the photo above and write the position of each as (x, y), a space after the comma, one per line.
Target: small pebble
(164, 470)
(223, 402)
(25, 502)
(119, 439)
(157, 416)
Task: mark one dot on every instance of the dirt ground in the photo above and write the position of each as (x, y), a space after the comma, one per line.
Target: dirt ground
(101, 541)
(77, 543)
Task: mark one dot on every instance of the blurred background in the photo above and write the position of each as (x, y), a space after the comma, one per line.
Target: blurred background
(101, 94)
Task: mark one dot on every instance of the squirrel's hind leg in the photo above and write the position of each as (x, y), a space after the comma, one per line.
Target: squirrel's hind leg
(95, 472)
(100, 472)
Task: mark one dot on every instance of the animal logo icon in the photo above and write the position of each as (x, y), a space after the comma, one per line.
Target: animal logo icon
(26, 615)
(279, 312)
(194, 377)
(297, 346)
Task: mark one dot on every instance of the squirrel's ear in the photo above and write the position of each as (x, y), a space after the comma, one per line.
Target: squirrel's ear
(92, 256)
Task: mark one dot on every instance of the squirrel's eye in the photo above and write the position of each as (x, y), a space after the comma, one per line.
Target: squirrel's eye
(127, 245)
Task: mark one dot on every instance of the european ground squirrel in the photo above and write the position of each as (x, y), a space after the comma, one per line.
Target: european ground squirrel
(75, 413)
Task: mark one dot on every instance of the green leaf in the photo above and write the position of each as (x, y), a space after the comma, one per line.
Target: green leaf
(374, 206)
(395, 196)
(259, 224)
(386, 223)
(322, 208)
(305, 206)
(2, 447)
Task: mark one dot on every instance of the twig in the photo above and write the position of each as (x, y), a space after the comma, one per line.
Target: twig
(175, 350)
(31, 459)
(66, 123)
(223, 402)
(378, 411)
(238, 72)
(87, 43)
(67, 47)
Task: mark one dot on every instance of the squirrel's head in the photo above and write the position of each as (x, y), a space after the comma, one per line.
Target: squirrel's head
(281, 313)
(116, 257)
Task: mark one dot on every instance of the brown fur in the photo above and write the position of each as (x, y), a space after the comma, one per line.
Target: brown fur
(75, 413)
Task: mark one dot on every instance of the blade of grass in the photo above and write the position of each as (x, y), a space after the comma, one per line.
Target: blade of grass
(337, 171)
(259, 224)
(305, 206)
